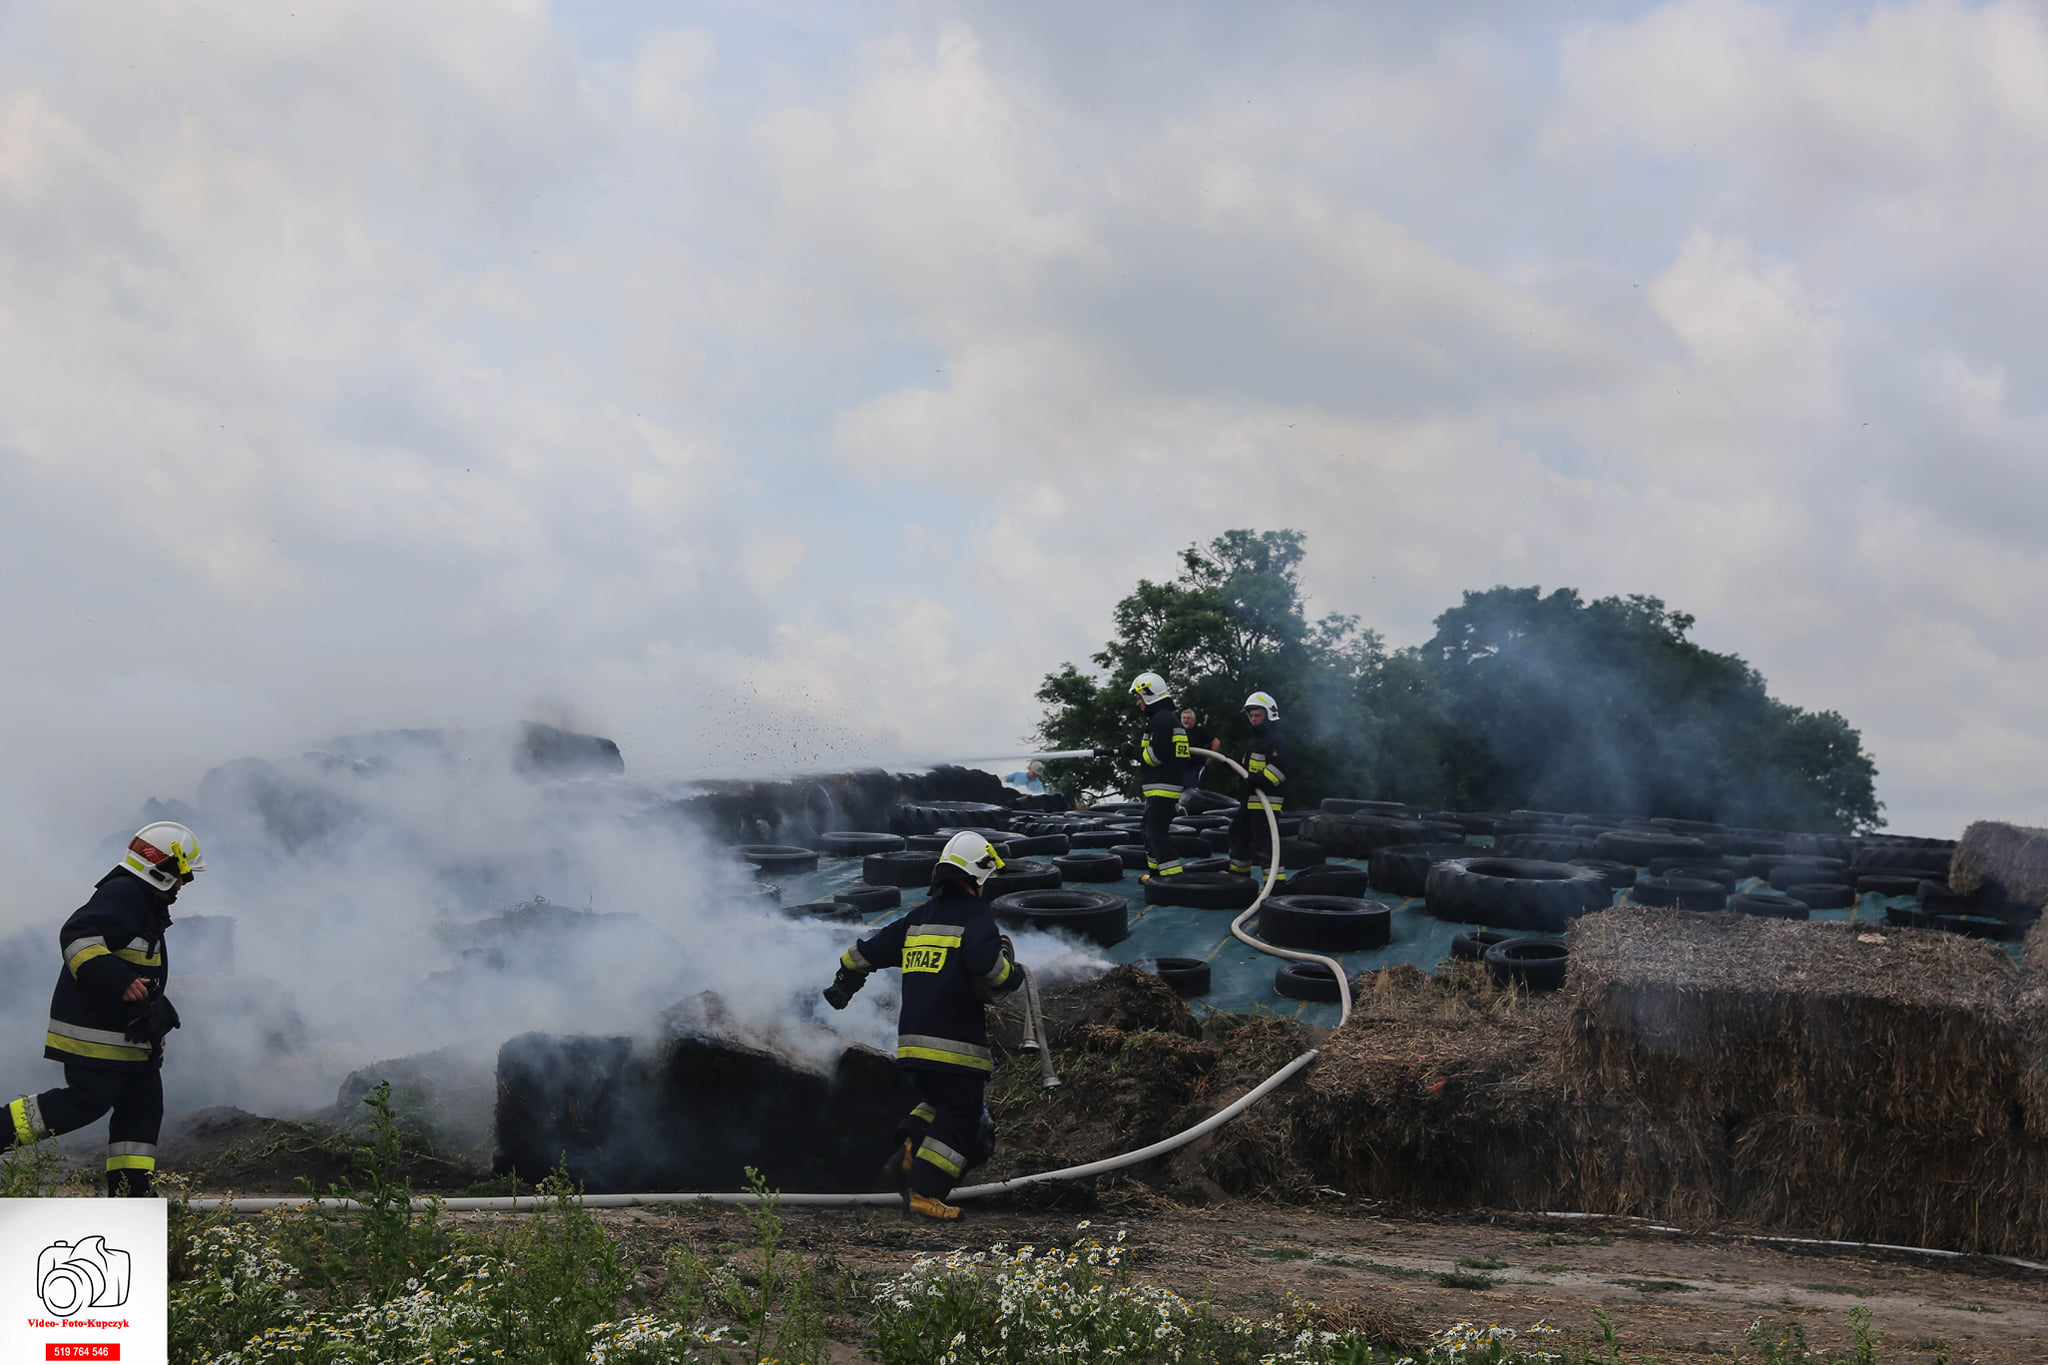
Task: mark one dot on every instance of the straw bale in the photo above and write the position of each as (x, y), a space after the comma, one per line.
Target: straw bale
(1434, 1094)
(2030, 1004)
(2013, 858)
(1746, 1016)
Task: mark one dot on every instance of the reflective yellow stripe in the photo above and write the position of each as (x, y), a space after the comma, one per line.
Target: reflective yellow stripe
(1265, 799)
(925, 1112)
(131, 1163)
(83, 956)
(853, 961)
(1145, 753)
(106, 1052)
(1162, 790)
(139, 959)
(24, 1131)
(1257, 765)
(999, 973)
(932, 1054)
(940, 1155)
(931, 940)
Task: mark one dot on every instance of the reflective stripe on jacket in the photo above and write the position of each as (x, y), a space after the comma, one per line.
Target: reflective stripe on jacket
(109, 943)
(946, 948)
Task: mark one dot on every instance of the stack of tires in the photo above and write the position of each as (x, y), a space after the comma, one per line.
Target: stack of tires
(1513, 893)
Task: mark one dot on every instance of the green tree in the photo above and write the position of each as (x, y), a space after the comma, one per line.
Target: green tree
(1520, 700)
(1230, 623)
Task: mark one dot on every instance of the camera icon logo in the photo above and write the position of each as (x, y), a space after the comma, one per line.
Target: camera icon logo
(73, 1276)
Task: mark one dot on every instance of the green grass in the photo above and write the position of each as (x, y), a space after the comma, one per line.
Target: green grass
(1970, 1308)
(1283, 1253)
(1464, 1279)
(1482, 1263)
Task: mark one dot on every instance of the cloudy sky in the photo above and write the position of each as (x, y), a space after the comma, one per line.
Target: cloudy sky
(787, 382)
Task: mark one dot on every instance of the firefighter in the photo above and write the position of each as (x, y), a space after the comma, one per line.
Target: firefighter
(953, 962)
(109, 1015)
(1264, 759)
(1163, 756)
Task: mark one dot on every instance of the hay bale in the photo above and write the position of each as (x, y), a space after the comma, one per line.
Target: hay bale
(1766, 1015)
(1816, 1076)
(2012, 859)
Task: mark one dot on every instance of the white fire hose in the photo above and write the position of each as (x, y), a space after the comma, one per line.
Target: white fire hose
(529, 1203)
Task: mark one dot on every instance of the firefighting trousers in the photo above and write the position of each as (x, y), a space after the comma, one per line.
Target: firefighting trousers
(1160, 854)
(137, 1101)
(950, 1126)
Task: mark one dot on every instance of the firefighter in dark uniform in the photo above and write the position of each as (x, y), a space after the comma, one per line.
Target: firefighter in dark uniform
(954, 962)
(1266, 760)
(1163, 756)
(108, 1015)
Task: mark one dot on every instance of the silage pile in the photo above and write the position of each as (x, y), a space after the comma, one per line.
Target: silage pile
(1820, 1078)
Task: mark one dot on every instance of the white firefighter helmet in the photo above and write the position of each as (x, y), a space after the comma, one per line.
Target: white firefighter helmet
(1264, 701)
(1149, 688)
(165, 854)
(972, 854)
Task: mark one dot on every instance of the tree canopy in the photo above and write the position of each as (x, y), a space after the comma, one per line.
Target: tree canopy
(1521, 700)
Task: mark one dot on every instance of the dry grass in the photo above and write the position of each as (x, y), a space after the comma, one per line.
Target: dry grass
(2013, 857)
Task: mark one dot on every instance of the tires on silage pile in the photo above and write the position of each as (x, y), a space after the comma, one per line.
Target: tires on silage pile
(1340, 924)
(1403, 869)
(1513, 893)
(1641, 847)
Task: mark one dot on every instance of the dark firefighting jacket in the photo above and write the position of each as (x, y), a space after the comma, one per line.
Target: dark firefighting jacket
(111, 941)
(1163, 751)
(1266, 760)
(951, 955)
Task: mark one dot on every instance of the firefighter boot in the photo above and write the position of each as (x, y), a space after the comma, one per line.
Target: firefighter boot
(928, 1206)
(897, 1168)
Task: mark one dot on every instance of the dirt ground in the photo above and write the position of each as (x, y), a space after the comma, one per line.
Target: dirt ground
(1680, 1298)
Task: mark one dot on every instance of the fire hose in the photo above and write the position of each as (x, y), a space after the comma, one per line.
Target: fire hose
(1034, 1029)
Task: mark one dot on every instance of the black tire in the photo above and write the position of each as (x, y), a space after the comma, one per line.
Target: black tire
(871, 900)
(1641, 848)
(1091, 865)
(1339, 924)
(1331, 879)
(1535, 964)
(1338, 805)
(1979, 926)
(909, 868)
(923, 817)
(1025, 874)
(777, 860)
(1547, 849)
(1035, 845)
(1191, 845)
(1886, 885)
(1134, 856)
(1202, 891)
(1681, 893)
(1471, 944)
(1205, 865)
(832, 910)
(1616, 875)
(1356, 836)
(1187, 975)
(1718, 872)
(1199, 802)
(858, 844)
(1770, 907)
(1306, 981)
(1823, 895)
(1510, 893)
(1095, 839)
(1096, 916)
(1403, 870)
(1907, 917)
(1788, 875)
(1300, 853)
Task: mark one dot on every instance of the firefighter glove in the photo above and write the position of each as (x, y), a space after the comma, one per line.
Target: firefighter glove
(152, 1020)
(844, 987)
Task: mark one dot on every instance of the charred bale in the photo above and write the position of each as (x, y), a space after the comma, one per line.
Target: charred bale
(574, 1102)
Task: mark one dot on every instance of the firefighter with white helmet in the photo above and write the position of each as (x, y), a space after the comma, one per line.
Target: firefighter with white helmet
(954, 962)
(1265, 760)
(108, 1014)
(1163, 756)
